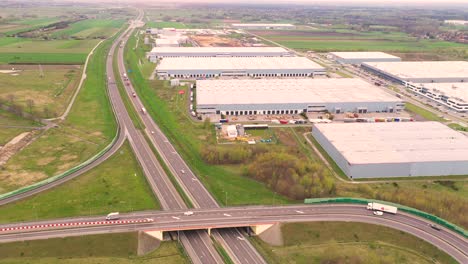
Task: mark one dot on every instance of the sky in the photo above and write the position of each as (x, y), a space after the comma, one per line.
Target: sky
(378, 2)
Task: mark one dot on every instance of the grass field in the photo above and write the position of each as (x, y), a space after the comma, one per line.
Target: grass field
(458, 127)
(423, 112)
(8, 119)
(153, 24)
(103, 249)
(48, 87)
(165, 106)
(89, 127)
(118, 184)
(334, 242)
(90, 28)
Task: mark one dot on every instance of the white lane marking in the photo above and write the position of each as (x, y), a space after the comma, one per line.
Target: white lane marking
(299, 212)
(227, 215)
(175, 217)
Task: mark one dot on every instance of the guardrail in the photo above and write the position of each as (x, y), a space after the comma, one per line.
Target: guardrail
(64, 174)
(407, 209)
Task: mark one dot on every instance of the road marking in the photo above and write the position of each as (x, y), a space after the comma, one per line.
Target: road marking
(299, 212)
(227, 215)
(175, 217)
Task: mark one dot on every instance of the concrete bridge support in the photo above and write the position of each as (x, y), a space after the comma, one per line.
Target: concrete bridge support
(156, 234)
(258, 229)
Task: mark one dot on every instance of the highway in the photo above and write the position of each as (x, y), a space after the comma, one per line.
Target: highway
(454, 244)
(190, 183)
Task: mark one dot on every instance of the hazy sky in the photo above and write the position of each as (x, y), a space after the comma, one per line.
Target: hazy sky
(378, 2)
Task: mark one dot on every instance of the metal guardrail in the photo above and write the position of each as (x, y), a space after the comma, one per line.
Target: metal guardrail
(407, 209)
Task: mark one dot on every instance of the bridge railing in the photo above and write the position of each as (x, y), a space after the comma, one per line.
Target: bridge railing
(403, 208)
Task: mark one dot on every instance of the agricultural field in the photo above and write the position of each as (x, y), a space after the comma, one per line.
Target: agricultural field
(104, 249)
(118, 184)
(43, 91)
(11, 125)
(349, 40)
(90, 28)
(89, 127)
(339, 242)
(153, 24)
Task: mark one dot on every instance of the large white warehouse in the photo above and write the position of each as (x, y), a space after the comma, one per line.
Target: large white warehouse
(420, 71)
(360, 57)
(237, 66)
(372, 150)
(264, 26)
(292, 96)
(165, 52)
(453, 95)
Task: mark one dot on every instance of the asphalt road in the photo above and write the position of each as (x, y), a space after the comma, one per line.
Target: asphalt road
(190, 183)
(454, 244)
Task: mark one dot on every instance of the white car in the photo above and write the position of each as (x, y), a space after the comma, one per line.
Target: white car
(183, 171)
(378, 212)
(188, 213)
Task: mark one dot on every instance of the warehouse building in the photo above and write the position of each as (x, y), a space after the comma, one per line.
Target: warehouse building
(207, 67)
(453, 95)
(420, 71)
(292, 96)
(360, 57)
(157, 53)
(263, 26)
(376, 150)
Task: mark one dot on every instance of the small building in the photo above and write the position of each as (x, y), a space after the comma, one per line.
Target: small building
(263, 26)
(420, 71)
(360, 57)
(292, 96)
(406, 149)
(231, 131)
(210, 67)
(175, 82)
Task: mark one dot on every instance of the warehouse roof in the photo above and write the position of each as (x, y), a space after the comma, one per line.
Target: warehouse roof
(364, 55)
(362, 143)
(237, 63)
(281, 91)
(216, 49)
(423, 69)
(454, 90)
(262, 25)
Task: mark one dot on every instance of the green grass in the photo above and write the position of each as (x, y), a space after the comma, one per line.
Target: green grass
(53, 89)
(42, 58)
(89, 127)
(164, 105)
(423, 112)
(118, 248)
(90, 28)
(458, 127)
(7, 134)
(118, 184)
(153, 24)
(338, 242)
(222, 252)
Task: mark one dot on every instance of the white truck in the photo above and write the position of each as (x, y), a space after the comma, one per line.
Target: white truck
(382, 208)
(113, 216)
(143, 110)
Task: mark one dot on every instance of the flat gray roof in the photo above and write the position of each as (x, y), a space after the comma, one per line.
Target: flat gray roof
(237, 63)
(281, 91)
(423, 69)
(364, 55)
(362, 143)
(217, 49)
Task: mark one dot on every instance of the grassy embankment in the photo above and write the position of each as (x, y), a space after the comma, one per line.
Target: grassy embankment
(118, 184)
(338, 242)
(103, 249)
(168, 110)
(89, 127)
(9, 119)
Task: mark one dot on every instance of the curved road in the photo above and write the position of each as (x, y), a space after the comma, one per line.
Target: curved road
(454, 244)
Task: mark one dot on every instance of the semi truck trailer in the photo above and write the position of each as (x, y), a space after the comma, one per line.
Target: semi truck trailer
(382, 207)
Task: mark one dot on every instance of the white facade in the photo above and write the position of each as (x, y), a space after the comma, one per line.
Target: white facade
(264, 26)
(376, 150)
(292, 96)
(157, 53)
(420, 71)
(453, 95)
(360, 57)
(208, 67)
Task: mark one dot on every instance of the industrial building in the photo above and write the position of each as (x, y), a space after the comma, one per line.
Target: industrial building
(373, 150)
(360, 57)
(420, 71)
(453, 95)
(292, 96)
(263, 26)
(207, 67)
(157, 53)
